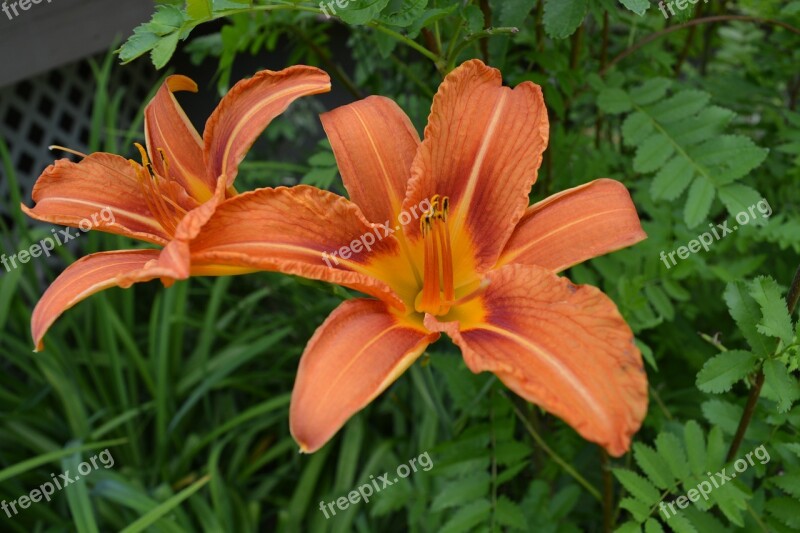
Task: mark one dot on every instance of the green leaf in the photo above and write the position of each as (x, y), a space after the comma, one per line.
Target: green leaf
(782, 383)
(198, 9)
(613, 101)
(466, 518)
(462, 491)
(637, 6)
(739, 199)
(787, 510)
(150, 518)
(650, 91)
(723, 370)
(162, 52)
(695, 447)
(562, 17)
(653, 465)
(745, 311)
(653, 153)
(358, 12)
(672, 179)
(637, 486)
(403, 13)
(776, 321)
(789, 483)
(723, 414)
(636, 128)
(698, 203)
(671, 449)
(509, 514)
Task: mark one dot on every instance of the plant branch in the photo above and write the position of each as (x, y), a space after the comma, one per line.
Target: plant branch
(553, 455)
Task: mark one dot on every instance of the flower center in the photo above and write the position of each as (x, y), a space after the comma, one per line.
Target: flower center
(156, 192)
(438, 292)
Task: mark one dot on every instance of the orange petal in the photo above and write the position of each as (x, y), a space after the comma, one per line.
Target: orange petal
(103, 186)
(289, 229)
(248, 108)
(563, 347)
(89, 275)
(575, 225)
(483, 147)
(375, 144)
(167, 128)
(355, 355)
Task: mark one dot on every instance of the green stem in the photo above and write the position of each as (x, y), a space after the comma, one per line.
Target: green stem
(554, 456)
(453, 54)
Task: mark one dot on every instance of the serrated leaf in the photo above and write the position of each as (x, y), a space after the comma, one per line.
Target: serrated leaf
(782, 383)
(787, 510)
(671, 449)
(468, 517)
(723, 370)
(636, 128)
(613, 101)
(672, 179)
(509, 514)
(775, 321)
(637, 508)
(403, 13)
(162, 52)
(653, 465)
(680, 106)
(739, 199)
(637, 6)
(136, 46)
(462, 491)
(736, 156)
(747, 314)
(698, 203)
(652, 526)
(695, 447)
(789, 483)
(650, 91)
(637, 486)
(562, 17)
(198, 9)
(652, 153)
(723, 414)
(358, 12)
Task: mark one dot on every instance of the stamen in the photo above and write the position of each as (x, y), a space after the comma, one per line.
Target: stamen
(438, 273)
(152, 190)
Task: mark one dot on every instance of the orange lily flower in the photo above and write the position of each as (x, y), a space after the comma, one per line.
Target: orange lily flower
(167, 198)
(478, 263)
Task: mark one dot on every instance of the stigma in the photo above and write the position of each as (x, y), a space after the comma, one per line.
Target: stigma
(438, 292)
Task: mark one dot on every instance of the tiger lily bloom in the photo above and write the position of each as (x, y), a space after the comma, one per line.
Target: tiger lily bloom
(478, 263)
(167, 198)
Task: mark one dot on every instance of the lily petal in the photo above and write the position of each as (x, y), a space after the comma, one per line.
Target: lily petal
(297, 231)
(91, 274)
(67, 193)
(575, 225)
(354, 355)
(483, 147)
(248, 108)
(563, 347)
(374, 143)
(167, 128)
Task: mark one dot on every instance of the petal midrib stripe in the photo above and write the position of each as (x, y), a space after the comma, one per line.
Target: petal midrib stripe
(553, 362)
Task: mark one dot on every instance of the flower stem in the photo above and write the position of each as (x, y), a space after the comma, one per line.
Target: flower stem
(553, 455)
